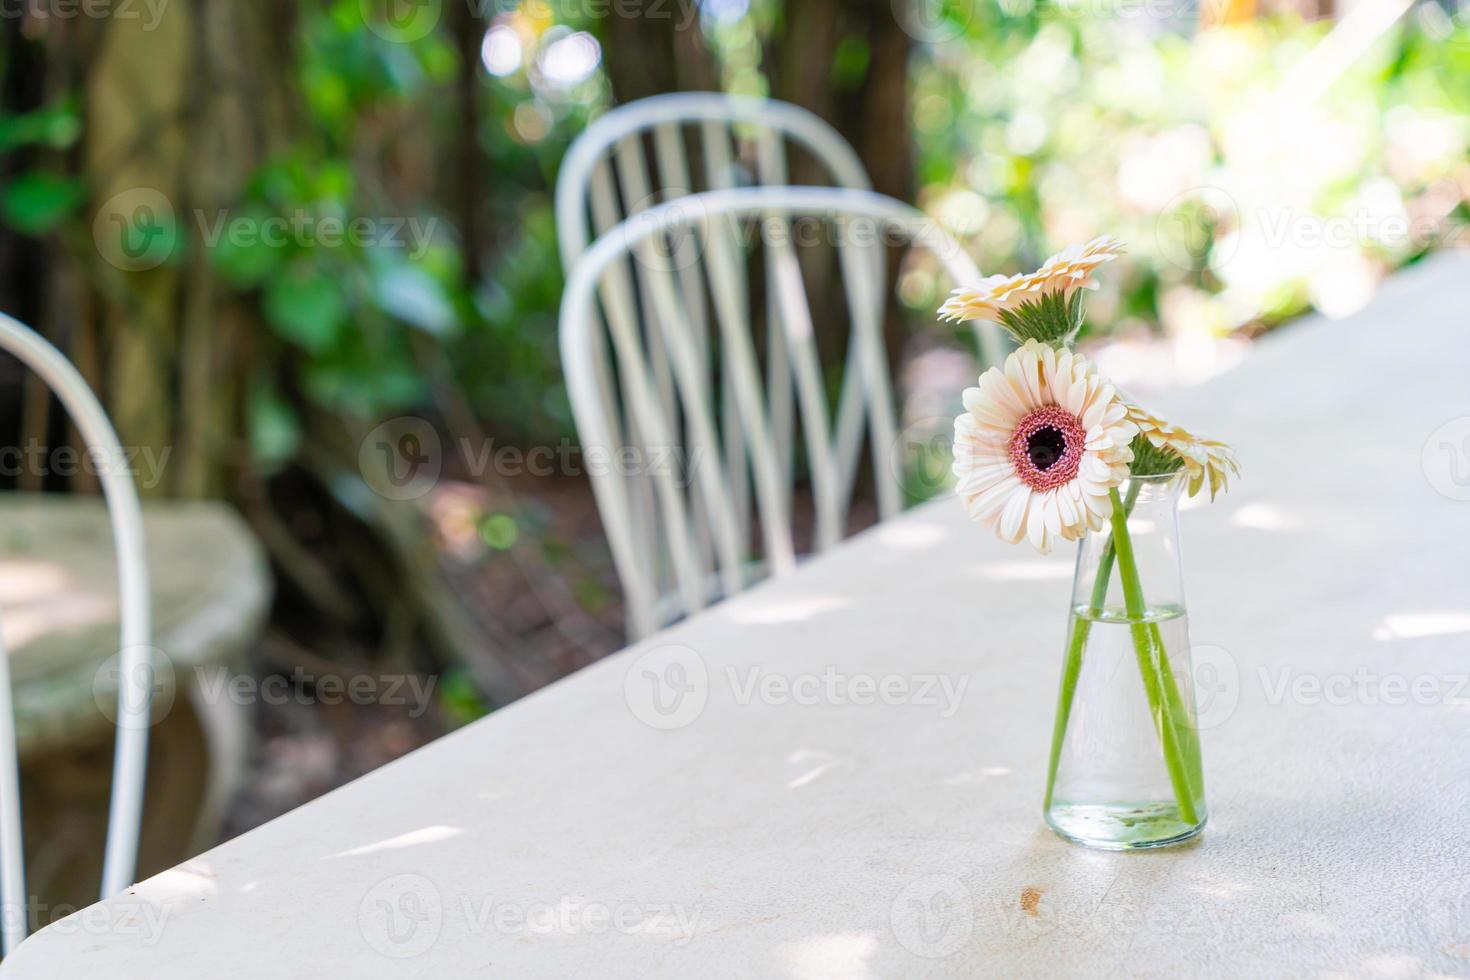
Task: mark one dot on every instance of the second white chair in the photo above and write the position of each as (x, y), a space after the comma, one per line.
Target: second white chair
(668, 147)
(649, 401)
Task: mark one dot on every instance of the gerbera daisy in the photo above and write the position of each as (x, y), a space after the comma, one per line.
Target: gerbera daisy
(1203, 459)
(1073, 266)
(990, 297)
(1040, 444)
(1042, 305)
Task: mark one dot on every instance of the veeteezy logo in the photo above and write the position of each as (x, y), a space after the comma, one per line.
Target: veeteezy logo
(148, 12)
(833, 687)
(305, 229)
(668, 687)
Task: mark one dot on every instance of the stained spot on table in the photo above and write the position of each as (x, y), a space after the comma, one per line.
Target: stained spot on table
(1030, 900)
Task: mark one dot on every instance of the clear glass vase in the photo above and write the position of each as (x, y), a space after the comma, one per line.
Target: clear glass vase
(1125, 769)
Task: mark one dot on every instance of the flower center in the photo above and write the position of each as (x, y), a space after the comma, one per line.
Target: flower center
(1046, 448)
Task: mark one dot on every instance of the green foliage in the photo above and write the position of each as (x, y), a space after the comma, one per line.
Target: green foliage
(850, 66)
(414, 297)
(1246, 193)
(55, 127)
(500, 531)
(350, 309)
(459, 699)
(36, 202)
(275, 433)
(1038, 123)
(246, 261)
(307, 306)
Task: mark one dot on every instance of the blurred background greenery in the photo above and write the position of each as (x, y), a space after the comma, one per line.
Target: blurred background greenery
(1262, 158)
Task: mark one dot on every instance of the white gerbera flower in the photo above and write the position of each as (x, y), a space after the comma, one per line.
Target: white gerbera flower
(1039, 446)
(1070, 269)
(1204, 459)
(1073, 266)
(990, 297)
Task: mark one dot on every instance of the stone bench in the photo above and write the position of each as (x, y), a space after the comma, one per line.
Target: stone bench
(210, 587)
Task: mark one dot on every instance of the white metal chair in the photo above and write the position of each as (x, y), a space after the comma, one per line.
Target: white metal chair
(639, 155)
(665, 365)
(743, 141)
(134, 664)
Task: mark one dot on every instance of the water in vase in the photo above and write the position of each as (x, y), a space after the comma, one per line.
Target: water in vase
(1113, 788)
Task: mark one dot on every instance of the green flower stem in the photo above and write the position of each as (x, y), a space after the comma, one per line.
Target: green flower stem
(1183, 724)
(1077, 643)
(1150, 658)
(1175, 712)
(1070, 671)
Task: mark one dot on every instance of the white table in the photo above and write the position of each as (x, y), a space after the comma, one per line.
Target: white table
(763, 836)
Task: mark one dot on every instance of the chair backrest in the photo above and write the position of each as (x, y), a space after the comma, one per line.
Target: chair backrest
(135, 668)
(668, 147)
(646, 415)
(609, 174)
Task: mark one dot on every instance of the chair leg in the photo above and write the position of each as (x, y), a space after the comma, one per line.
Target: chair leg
(14, 910)
(227, 734)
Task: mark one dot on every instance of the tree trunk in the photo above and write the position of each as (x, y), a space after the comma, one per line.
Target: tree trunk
(23, 291)
(660, 50)
(869, 107)
(178, 116)
(867, 103)
(469, 30)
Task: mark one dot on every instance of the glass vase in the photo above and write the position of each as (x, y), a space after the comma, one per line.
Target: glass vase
(1125, 768)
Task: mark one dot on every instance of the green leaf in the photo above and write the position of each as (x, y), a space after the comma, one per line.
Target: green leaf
(34, 203)
(307, 309)
(500, 531)
(850, 62)
(397, 385)
(275, 431)
(57, 127)
(416, 298)
(460, 701)
(245, 259)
